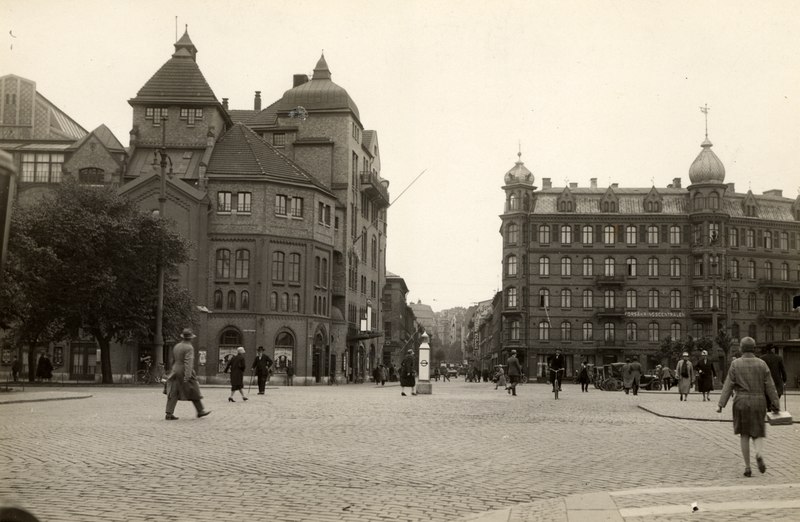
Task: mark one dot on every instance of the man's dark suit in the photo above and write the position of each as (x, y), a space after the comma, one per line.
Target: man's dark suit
(262, 365)
(776, 369)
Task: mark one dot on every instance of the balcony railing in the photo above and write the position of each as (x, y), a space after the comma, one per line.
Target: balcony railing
(616, 280)
(373, 185)
(777, 283)
(610, 312)
(767, 315)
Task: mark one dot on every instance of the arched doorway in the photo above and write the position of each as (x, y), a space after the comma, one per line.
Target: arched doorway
(229, 340)
(284, 351)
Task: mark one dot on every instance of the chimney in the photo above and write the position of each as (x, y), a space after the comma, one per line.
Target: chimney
(676, 182)
(257, 101)
(731, 188)
(615, 185)
(225, 103)
(299, 79)
(593, 182)
(774, 192)
(546, 183)
(573, 184)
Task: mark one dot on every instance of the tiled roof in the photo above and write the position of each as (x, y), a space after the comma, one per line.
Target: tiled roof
(105, 136)
(266, 117)
(242, 115)
(769, 207)
(179, 79)
(366, 139)
(242, 152)
(587, 200)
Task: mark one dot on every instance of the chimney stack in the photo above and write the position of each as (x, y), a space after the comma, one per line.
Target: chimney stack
(546, 183)
(593, 182)
(676, 183)
(774, 192)
(257, 101)
(615, 185)
(225, 103)
(573, 184)
(299, 79)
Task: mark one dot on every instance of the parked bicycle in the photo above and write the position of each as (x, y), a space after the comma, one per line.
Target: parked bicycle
(147, 376)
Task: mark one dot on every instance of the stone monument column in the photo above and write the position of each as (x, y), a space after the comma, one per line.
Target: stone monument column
(424, 386)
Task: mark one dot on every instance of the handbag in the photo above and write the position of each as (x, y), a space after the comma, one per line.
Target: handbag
(780, 418)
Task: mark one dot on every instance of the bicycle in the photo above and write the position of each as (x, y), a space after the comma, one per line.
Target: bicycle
(146, 376)
(556, 380)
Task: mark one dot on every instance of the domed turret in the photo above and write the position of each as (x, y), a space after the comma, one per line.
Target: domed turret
(707, 167)
(519, 173)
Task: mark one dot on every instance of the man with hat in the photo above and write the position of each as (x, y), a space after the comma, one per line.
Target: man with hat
(514, 372)
(776, 368)
(559, 364)
(261, 366)
(182, 383)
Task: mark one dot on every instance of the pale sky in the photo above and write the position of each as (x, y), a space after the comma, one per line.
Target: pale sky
(604, 89)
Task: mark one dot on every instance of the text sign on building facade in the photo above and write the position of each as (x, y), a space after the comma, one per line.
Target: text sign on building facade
(656, 315)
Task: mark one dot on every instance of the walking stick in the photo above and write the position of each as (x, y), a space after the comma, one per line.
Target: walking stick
(252, 372)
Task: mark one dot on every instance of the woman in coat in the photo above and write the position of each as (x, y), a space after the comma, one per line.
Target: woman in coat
(583, 377)
(407, 372)
(752, 383)
(237, 367)
(705, 376)
(501, 378)
(685, 373)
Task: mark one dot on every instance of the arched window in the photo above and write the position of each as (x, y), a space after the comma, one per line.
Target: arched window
(284, 345)
(587, 331)
(630, 235)
(767, 239)
(631, 333)
(566, 234)
(544, 234)
(513, 202)
(630, 299)
(652, 267)
(699, 202)
(544, 298)
(735, 301)
(630, 264)
(588, 266)
(363, 239)
(231, 300)
(294, 268)
(609, 297)
(511, 265)
(218, 299)
(544, 331)
(674, 235)
(544, 266)
(784, 272)
(514, 331)
(767, 270)
(652, 332)
(751, 269)
(734, 269)
(652, 235)
(242, 270)
(675, 267)
(675, 299)
(566, 331)
(652, 298)
(608, 266)
(229, 339)
(566, 266)
(91, 176)
(245, 300)
(512, 233)
(609, 332)
(278, 263)
(223, 267)
(295, 302)
(587, 234)
(284, 302)
(713, 201)
(587, 298)
(374, 251)
(675, 331)
(566, 298)
(609, 235)
(511, 297)
(273, 301)
(324, 275)
(733, 237)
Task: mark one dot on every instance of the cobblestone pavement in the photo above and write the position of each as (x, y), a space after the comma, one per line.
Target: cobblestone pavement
(360, 452)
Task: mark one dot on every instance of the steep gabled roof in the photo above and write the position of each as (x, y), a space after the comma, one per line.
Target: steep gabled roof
(105, 136)
(241, 152)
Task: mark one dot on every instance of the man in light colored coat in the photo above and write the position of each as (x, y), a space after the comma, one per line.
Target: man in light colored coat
(182, 382)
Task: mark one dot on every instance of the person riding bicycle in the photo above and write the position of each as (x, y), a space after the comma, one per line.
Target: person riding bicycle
(557, 362)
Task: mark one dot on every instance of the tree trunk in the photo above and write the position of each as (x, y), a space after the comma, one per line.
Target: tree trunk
(105, 358)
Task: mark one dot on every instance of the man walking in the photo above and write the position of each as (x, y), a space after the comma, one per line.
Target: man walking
(16, 367)
(776, 368)
(514, 372)
(182, 382)
(636, 374)
(262, 365)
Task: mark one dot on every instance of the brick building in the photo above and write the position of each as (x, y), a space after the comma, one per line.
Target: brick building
(399, 321)
(606, 273)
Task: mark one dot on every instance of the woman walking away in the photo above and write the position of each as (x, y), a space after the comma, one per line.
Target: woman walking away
(685, 372)
(752, 383)
(501, 378)
(407, 373)
(237, 367)
(705, 376)
(583, 377)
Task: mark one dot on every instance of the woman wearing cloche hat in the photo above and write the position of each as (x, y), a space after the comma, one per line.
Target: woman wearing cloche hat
(705, 376)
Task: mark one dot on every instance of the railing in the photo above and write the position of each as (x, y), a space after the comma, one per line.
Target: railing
(373, 185)
(609, 279)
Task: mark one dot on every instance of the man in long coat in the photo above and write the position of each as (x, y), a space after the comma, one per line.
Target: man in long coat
(182, 382)
(636, 375)
(776, 368)
(514, 372)
(262, 365)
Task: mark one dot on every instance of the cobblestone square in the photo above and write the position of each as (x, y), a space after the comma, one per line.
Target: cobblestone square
(360, 452)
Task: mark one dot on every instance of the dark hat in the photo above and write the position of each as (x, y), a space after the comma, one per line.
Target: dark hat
(410, 350)
(188, 334)
(260, 349)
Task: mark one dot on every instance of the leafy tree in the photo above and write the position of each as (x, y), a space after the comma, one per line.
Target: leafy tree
(98, 268)
(725, 342)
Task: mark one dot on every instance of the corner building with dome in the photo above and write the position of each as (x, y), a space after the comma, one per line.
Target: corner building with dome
(606, 273)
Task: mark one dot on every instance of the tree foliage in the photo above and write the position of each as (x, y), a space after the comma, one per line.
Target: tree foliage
(85, 257)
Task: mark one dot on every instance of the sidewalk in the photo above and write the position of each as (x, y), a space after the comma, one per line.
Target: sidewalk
(39, 394)
(729, 503)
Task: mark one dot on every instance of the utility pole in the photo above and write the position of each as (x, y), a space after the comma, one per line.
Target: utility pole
(162, 199)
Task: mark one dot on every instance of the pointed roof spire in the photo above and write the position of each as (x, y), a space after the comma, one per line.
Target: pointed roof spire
(185, 43)
(321, 71)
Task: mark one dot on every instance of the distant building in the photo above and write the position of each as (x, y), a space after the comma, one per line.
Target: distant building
(606, 273)
(399, 321)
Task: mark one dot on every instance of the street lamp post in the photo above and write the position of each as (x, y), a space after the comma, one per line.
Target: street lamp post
(162, 199)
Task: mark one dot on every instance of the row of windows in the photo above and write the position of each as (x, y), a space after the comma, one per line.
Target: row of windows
(189, 115)
(652, 235)
(243, 202)
(703, 298)
(284, 268)
(277, 302)
(632, 331)
(750, 270)
(284, 205)
(42, 167)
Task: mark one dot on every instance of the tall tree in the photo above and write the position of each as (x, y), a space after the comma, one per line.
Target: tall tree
(100, 257)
